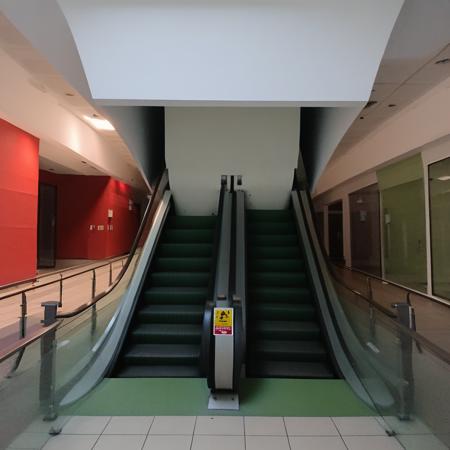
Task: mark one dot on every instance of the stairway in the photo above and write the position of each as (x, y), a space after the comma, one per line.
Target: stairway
(165, 335)
(284, 337)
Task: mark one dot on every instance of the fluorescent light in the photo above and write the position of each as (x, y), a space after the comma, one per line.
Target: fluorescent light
(444, 178)
(100, 124)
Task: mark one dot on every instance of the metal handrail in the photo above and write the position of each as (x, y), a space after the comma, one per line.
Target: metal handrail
(392, 283)
(59, 280)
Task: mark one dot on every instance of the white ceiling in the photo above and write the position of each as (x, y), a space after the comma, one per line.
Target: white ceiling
(420, 38)
(46, 79)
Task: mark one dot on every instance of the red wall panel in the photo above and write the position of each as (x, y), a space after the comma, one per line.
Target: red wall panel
(19, 171)
(84, 201)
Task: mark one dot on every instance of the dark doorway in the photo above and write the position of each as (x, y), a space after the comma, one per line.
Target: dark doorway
(335, 232)
(365, 229)
(46, 226)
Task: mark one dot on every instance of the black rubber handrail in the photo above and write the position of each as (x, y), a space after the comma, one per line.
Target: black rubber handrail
(134, 247)
(393, 283)
(207, 342)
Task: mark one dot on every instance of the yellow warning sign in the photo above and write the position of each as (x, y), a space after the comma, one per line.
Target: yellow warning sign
(223, 321)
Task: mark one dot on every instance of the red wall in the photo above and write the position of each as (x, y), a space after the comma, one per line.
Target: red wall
(19, 169)
(84, 201)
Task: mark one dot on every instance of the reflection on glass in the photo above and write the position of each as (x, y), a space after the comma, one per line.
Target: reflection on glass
(336, 232)
(439, 184)
(365, 229)
(403, 203)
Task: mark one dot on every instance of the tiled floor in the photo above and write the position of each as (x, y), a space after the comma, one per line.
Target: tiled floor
(218, 433)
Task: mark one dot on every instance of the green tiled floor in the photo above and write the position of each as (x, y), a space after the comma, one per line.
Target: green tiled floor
(189, 396)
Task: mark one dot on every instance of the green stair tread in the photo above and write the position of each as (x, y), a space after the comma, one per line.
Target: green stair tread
(256, 227)
(187, 236)
(192, 264)
(273, 239)
(302, 350)
(167, 333)
(289, 369)
(171, 313)
(184, 250)
(279, 279)
(274, 252)
(274, 265)
(175, 295)
(270, 294)
(268, 215)
(162, 354)
(289, 330)
(159, 371)
(180, 279)
(282, 311)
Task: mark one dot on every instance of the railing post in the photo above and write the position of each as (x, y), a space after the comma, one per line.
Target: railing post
(60, 290)
(110, 273)
(48, 359)
(94, 282)
(405, 317)
(23, 315)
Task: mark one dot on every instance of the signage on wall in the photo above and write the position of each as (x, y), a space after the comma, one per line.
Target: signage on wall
(223, 322)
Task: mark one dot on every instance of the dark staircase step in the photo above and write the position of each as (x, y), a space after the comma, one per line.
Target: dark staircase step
(283, 330)
(255, 227)
(167, 333)
(276, 350)
(182, 264)
(269, 215)
(276, 265)
(270, 294)
(275, 252)
(179, 279)
(289, 369)
(171, 314)
(188, 236)
(162, 354)
(175, 295)
(184, 250)
(282, 311)
(279, 279)
(178, 371)
(273, 239)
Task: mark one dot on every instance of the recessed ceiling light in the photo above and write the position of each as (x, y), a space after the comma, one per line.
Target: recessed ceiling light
(361, 118)
(69, 94)
(52, 170)
(443, 61)
(444, 178)
(370, 103)
(84, 162)
(392, 105)
(100, 124)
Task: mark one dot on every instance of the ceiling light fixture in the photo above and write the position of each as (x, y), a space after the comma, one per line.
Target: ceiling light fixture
(100, 124)
(361, 118)
(69, 94)
(370, 103)
(392, 105)
(84, 162)
(443, 61)
(444, 178)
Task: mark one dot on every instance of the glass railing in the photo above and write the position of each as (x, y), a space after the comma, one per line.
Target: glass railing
(36, 377)
(405, 377)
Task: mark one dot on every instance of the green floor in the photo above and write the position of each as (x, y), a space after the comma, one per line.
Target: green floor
(189, 396)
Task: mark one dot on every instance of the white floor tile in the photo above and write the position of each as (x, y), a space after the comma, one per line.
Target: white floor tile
(128, 425)
(317, 443)
(173, 425)
(359, 426)
(86, 425)
(264, 426)
(120, 442)
(222, 425)
(310, 426)
(218, 443)
(71, 442)
(266, 443)
(30, 440)
(421, 442)
(372, 443)
(159, 442)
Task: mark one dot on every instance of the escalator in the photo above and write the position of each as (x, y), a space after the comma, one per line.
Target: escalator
(285, 337)
(164, 337)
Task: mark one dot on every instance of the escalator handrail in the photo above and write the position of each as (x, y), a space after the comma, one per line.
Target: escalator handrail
(207, 341)
(162, 179)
